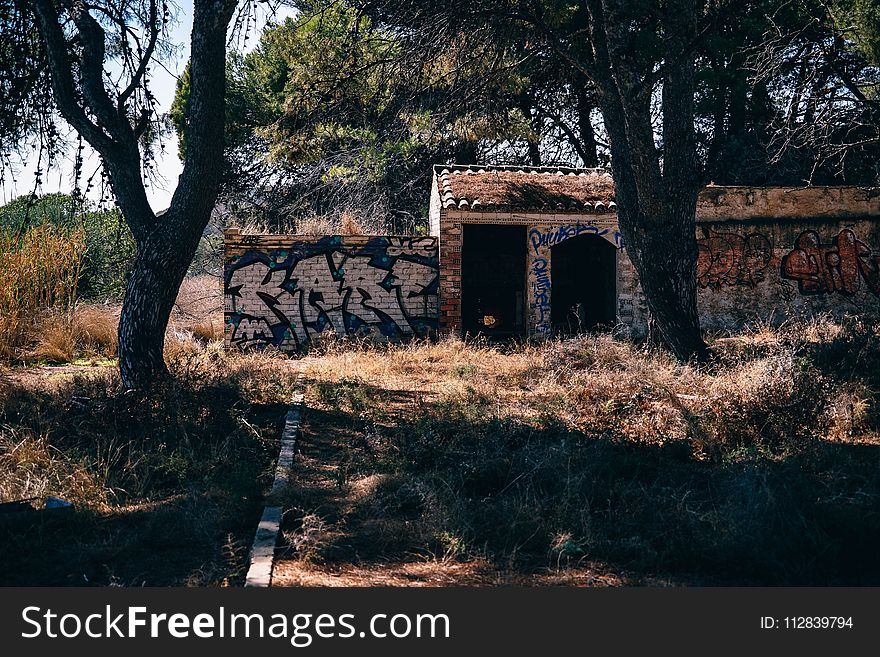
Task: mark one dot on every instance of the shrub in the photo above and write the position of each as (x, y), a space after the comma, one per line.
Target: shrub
(39, 269)
(109, 245)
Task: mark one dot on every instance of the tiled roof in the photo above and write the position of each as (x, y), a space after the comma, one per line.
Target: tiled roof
(544, 189)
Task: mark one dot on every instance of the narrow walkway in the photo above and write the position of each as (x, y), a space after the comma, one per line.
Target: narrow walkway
(263, 552)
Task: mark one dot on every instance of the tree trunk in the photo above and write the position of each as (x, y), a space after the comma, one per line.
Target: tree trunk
(152, 289)
(656, 204)
(585, 106)
(166, 243)
(666, 261)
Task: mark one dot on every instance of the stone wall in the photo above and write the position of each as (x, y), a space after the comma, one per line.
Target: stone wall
(284, 291)
(775, 270)
(764, 255)
(757, 271)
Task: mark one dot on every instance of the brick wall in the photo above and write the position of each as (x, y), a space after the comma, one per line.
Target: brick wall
(761, 258)
(450, 241)
(286, 290)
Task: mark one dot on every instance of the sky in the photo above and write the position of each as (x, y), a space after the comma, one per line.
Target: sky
(163, 83)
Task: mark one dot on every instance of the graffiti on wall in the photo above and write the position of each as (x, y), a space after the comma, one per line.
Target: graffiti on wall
(732, 259)
(384, 287)
(547, 237)
(840, 266)
(541, 295)
(542, 239)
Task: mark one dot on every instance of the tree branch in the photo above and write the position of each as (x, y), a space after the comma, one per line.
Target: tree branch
(146, 55)
(63, 85)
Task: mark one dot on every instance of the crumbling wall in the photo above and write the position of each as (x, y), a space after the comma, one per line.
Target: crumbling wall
(770, 271)
(284, 291)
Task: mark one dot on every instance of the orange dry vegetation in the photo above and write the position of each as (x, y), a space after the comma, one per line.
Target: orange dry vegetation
(536, 190)
(589, 461)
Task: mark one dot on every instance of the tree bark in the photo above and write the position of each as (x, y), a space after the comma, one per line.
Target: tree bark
(585, 105)
(159, 269)
(165, 243)
(656, 204)
(165, 253)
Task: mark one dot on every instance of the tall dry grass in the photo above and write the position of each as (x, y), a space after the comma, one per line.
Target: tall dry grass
(55, 328)
(61, 335)
(761, 467)
(39, 269)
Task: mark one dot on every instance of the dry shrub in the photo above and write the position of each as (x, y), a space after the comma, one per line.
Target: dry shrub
(316, 225)
(350, 224)
(61, 335)
(38, 270)
(776, 403)
(32, 469)
(54, 338)
(198, 309)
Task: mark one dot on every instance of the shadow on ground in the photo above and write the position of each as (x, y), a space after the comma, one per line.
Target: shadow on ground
(385, 481)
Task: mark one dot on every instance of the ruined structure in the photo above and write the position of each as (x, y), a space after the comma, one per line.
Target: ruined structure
(284, 290)
(537, 251)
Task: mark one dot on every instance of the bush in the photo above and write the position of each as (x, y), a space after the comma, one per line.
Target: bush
(39, 269)
(109, 245)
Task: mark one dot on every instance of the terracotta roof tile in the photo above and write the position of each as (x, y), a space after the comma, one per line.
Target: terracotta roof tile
(545, 189)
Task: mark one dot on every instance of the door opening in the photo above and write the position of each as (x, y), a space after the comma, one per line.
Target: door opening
(584, 285)
(493, 272)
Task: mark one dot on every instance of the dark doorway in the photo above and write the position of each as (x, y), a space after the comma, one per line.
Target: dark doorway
(584, 279)
(493, 273)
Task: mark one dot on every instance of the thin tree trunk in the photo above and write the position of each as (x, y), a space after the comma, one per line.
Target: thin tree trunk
(466, 152)
(534, 146)
(585, 106)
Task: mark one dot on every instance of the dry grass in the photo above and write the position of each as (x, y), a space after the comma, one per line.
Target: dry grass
(341, 222)
(167, 485)
(84, 331)
(198, 310)
(38, 270)
(66, 332)
(564, 456)
(586, 461)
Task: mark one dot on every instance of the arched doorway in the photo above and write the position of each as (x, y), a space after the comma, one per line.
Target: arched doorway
(584, 285)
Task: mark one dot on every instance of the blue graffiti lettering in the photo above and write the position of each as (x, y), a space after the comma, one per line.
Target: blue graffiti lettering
(540, 239)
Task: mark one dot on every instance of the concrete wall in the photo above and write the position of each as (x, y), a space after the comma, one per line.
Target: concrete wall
(286, 290)
(765, 254)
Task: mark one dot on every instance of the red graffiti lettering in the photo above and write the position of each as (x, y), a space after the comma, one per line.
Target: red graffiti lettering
(837, 267)
(731, 259)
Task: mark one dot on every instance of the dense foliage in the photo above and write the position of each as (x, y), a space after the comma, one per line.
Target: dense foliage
(109, 247)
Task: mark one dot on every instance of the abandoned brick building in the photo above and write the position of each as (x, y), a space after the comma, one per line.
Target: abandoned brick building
(537, 251)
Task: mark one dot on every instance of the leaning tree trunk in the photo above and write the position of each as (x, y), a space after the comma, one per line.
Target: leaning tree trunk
(75, 43)
(152, 289)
